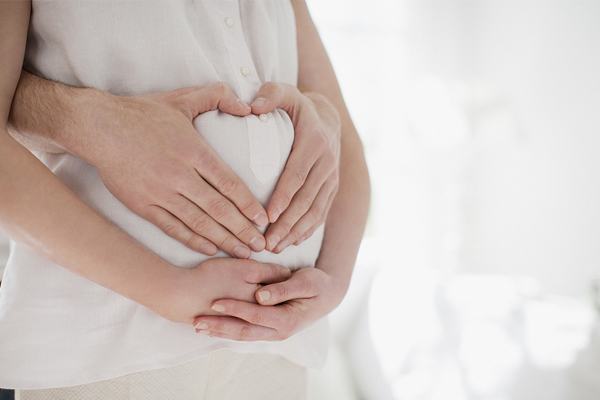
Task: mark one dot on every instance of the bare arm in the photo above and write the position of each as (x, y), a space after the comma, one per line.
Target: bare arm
(347, 218)
(175, 181)
(318, 83)
(311, 293)
(204, 202)
(39, 211)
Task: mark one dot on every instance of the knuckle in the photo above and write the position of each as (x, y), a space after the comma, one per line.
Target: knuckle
(305, 201)
(171, 229)
(243, 333)
(218, 209)
(246, 204)
(255, 318)
(217, 326)
(204, 160)
(252, 274)
(194, 242)
(220, 88)
(270, 86)
(293, 235)
(227, 243)
(281, 292)
(227, 186)
(316, 212)
(284, 226)
(244, 232)
(297, 177)
(200, 223)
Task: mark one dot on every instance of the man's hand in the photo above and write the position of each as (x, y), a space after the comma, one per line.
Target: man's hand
(191, 292)
(284, 308)
(150, 157)
(174, 179)
(309, 183)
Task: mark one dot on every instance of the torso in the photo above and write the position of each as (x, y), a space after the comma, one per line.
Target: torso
(66, 330)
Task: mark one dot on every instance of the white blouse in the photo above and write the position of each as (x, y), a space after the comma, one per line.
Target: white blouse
(59, 329)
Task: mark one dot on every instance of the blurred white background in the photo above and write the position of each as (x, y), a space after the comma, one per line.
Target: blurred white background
(481, 123)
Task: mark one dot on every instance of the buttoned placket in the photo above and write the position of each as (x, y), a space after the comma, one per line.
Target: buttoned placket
(240, 59)
(263, 139)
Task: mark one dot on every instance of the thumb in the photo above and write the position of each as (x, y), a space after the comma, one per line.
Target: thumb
(272, 95)
(297, 287)
(216, 96)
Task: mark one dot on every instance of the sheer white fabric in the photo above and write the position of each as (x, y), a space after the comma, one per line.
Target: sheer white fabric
(58, 329)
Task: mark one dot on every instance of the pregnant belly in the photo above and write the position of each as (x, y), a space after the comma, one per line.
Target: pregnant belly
(256, 151)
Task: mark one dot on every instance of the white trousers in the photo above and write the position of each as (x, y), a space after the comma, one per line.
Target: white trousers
(222, 375)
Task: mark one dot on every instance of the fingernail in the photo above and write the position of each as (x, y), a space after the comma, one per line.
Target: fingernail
(264, 295)
(243, 104)
(257, 243)
(261, 101)
(273, 240)
(207, 333)
(281, 246)
(261, 219)
(201, 325)
(302, 239)
(242, 252)
(218, 308)
(275, 215)
(208, 248)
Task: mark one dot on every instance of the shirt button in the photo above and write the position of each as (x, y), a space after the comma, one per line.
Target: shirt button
(229, 22)
(263, 117)
(245, 71)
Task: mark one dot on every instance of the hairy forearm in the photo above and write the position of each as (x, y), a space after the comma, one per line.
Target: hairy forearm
(53, 117)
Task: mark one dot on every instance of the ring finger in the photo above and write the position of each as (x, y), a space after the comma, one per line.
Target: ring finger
(204, 225)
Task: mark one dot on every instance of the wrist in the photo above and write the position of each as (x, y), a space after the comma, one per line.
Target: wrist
(158, 288)
(325, 109)
(338, 285)
(92, 114)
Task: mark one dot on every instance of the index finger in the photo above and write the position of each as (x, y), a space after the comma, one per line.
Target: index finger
(278, 292)
(218, 174)
(306, 149)
(301, 160)
(278, 317)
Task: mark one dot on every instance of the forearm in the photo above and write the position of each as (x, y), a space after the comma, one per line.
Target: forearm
(53, 117)
(40, 212)
(348, 214)
(347, 217)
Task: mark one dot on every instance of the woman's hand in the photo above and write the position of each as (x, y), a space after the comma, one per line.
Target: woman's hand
(284, 308)
(191, 292)
(309, 183)
(152, 159)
